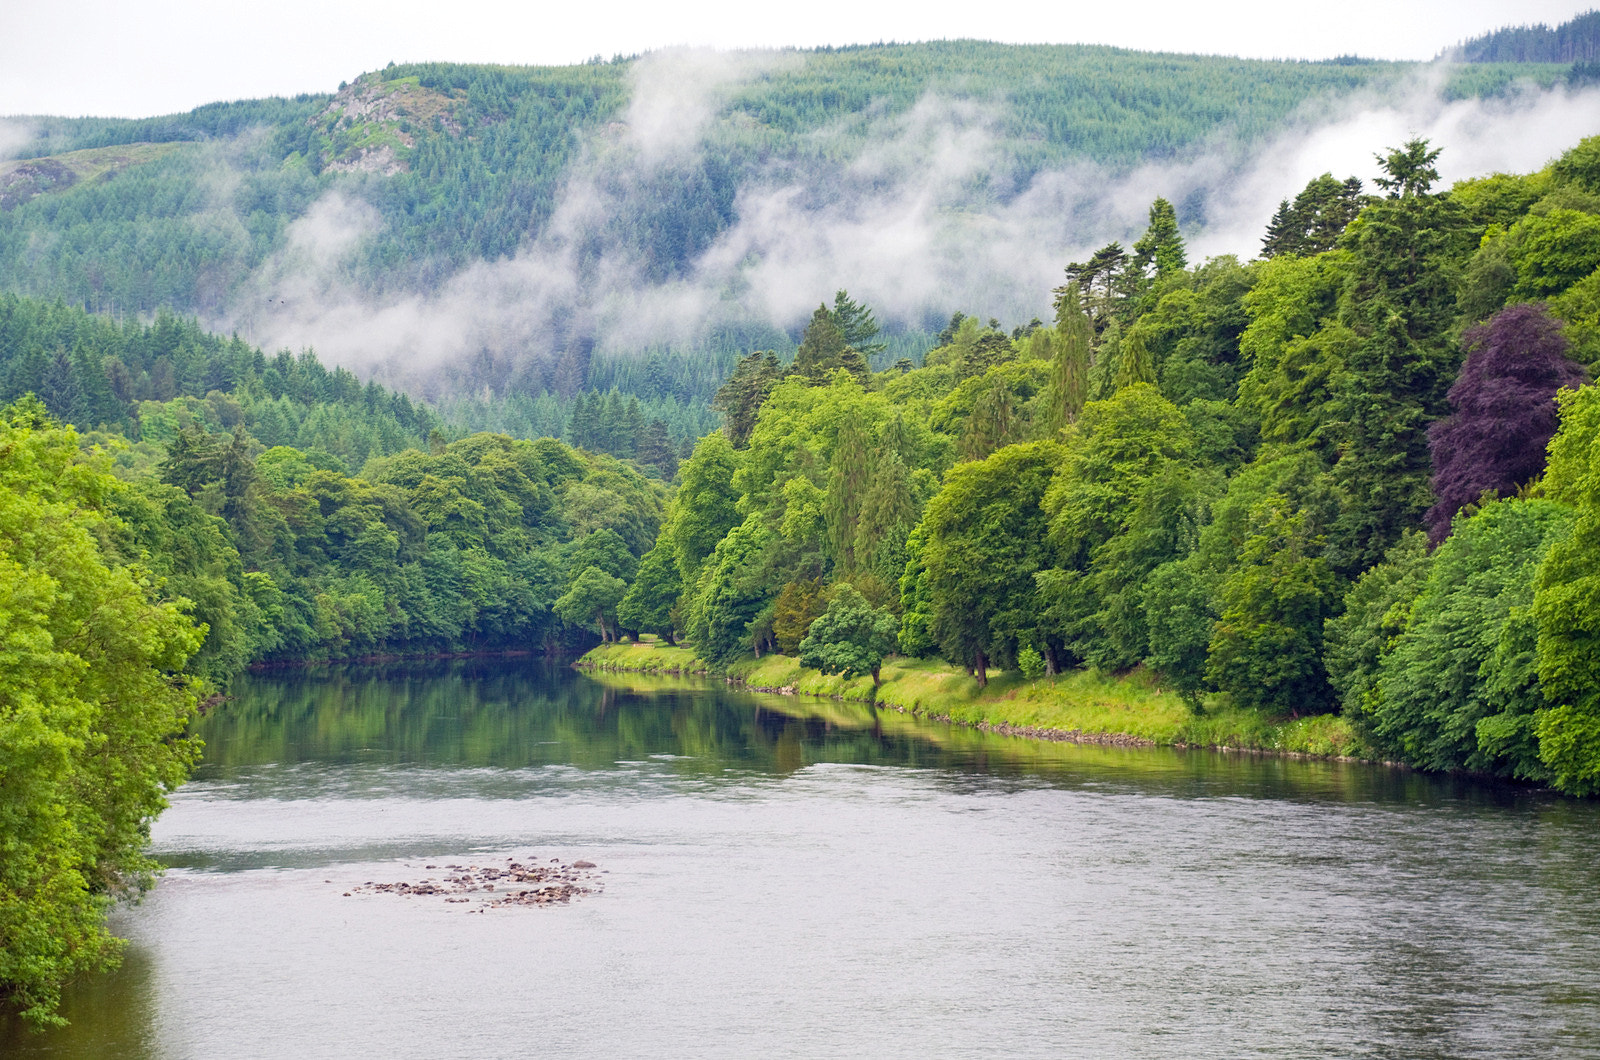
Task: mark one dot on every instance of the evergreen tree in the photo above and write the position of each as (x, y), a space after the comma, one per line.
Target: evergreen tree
(1316, 218)
(741, 397)
(581, 424)
(1398, 301)
(857, 325)
(1133, 361)
(630, 430)
(1160, 251)
(888, 513)
(823, 351)
(655, 448)
(848, 476)
(993, 423)
(1072, 347)
(1102, 281)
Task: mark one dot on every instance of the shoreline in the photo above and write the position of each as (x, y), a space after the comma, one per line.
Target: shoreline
(1012, 706)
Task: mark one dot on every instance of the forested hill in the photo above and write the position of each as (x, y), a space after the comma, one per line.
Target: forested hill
(1575, 41)
(515, 227)
(148, 381)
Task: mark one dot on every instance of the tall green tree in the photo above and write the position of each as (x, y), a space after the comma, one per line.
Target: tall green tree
(593, 597)
(93, 714)
(1399, 304)
(851, 637)
(856, 324)
(1160, 252)
(983, 541)
(1316, 218)
(741, 397)
(1072, 349)
(650, 602)
(848, 478)
(1566, 604)
(824, 350)
(1458, 689)
(706, 506)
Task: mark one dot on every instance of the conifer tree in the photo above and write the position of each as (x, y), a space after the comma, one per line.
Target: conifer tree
(629, 429)
(823, 350)
(655, 448)
(1133, 364)
(1316, 218)
(888, 513)
(741, 397)
(580, 422)
(1160, 251)
(993, 423)
(1399, 302)
(1101, 281)
(1071, 346)
(847, 482)
(856, 324)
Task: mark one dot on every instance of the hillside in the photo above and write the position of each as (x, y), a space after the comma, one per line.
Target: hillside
(462, 230)
(1575, 41)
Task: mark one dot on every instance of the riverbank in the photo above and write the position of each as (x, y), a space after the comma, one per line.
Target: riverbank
(1081, 706)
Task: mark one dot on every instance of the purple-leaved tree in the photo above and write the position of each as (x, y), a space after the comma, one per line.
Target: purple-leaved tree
(1505, 410)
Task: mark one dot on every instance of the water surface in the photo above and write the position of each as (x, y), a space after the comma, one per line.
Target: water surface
(786, 877)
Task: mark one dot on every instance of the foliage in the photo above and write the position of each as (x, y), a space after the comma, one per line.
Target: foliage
(1398, 303)
(851, 637)
(1576, 39)
(1504, 411)
(93, 711)
(1457, 689)
(742, 396)
(706, 505)
(1376, 611)
(649, 602)
(825, 350)
(985, 540)
(1566, 604)
(593, 596)
(729, 593)
(1315, 220)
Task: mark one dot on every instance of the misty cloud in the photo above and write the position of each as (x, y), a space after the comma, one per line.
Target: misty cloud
(677, 92)
(923, 220)
(15, 134)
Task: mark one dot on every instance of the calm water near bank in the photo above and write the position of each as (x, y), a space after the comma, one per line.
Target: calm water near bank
(785, 877)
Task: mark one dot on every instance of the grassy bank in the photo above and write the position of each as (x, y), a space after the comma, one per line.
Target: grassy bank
(1085, 705)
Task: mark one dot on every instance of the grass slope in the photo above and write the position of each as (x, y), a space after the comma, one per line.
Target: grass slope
(1083, 705)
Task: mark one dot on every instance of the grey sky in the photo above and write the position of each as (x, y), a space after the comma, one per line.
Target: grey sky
(144, 57)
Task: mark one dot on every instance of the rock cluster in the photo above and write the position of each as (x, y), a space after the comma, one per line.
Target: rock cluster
(553, 883)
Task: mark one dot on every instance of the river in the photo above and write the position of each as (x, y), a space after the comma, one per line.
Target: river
(778, 877)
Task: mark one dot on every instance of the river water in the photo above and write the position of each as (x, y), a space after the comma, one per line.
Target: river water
(779, 877)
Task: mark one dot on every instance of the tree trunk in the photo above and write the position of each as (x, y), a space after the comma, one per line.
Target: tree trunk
(1052, 661)
(670, 642)
(980, 667)
(875, 671)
